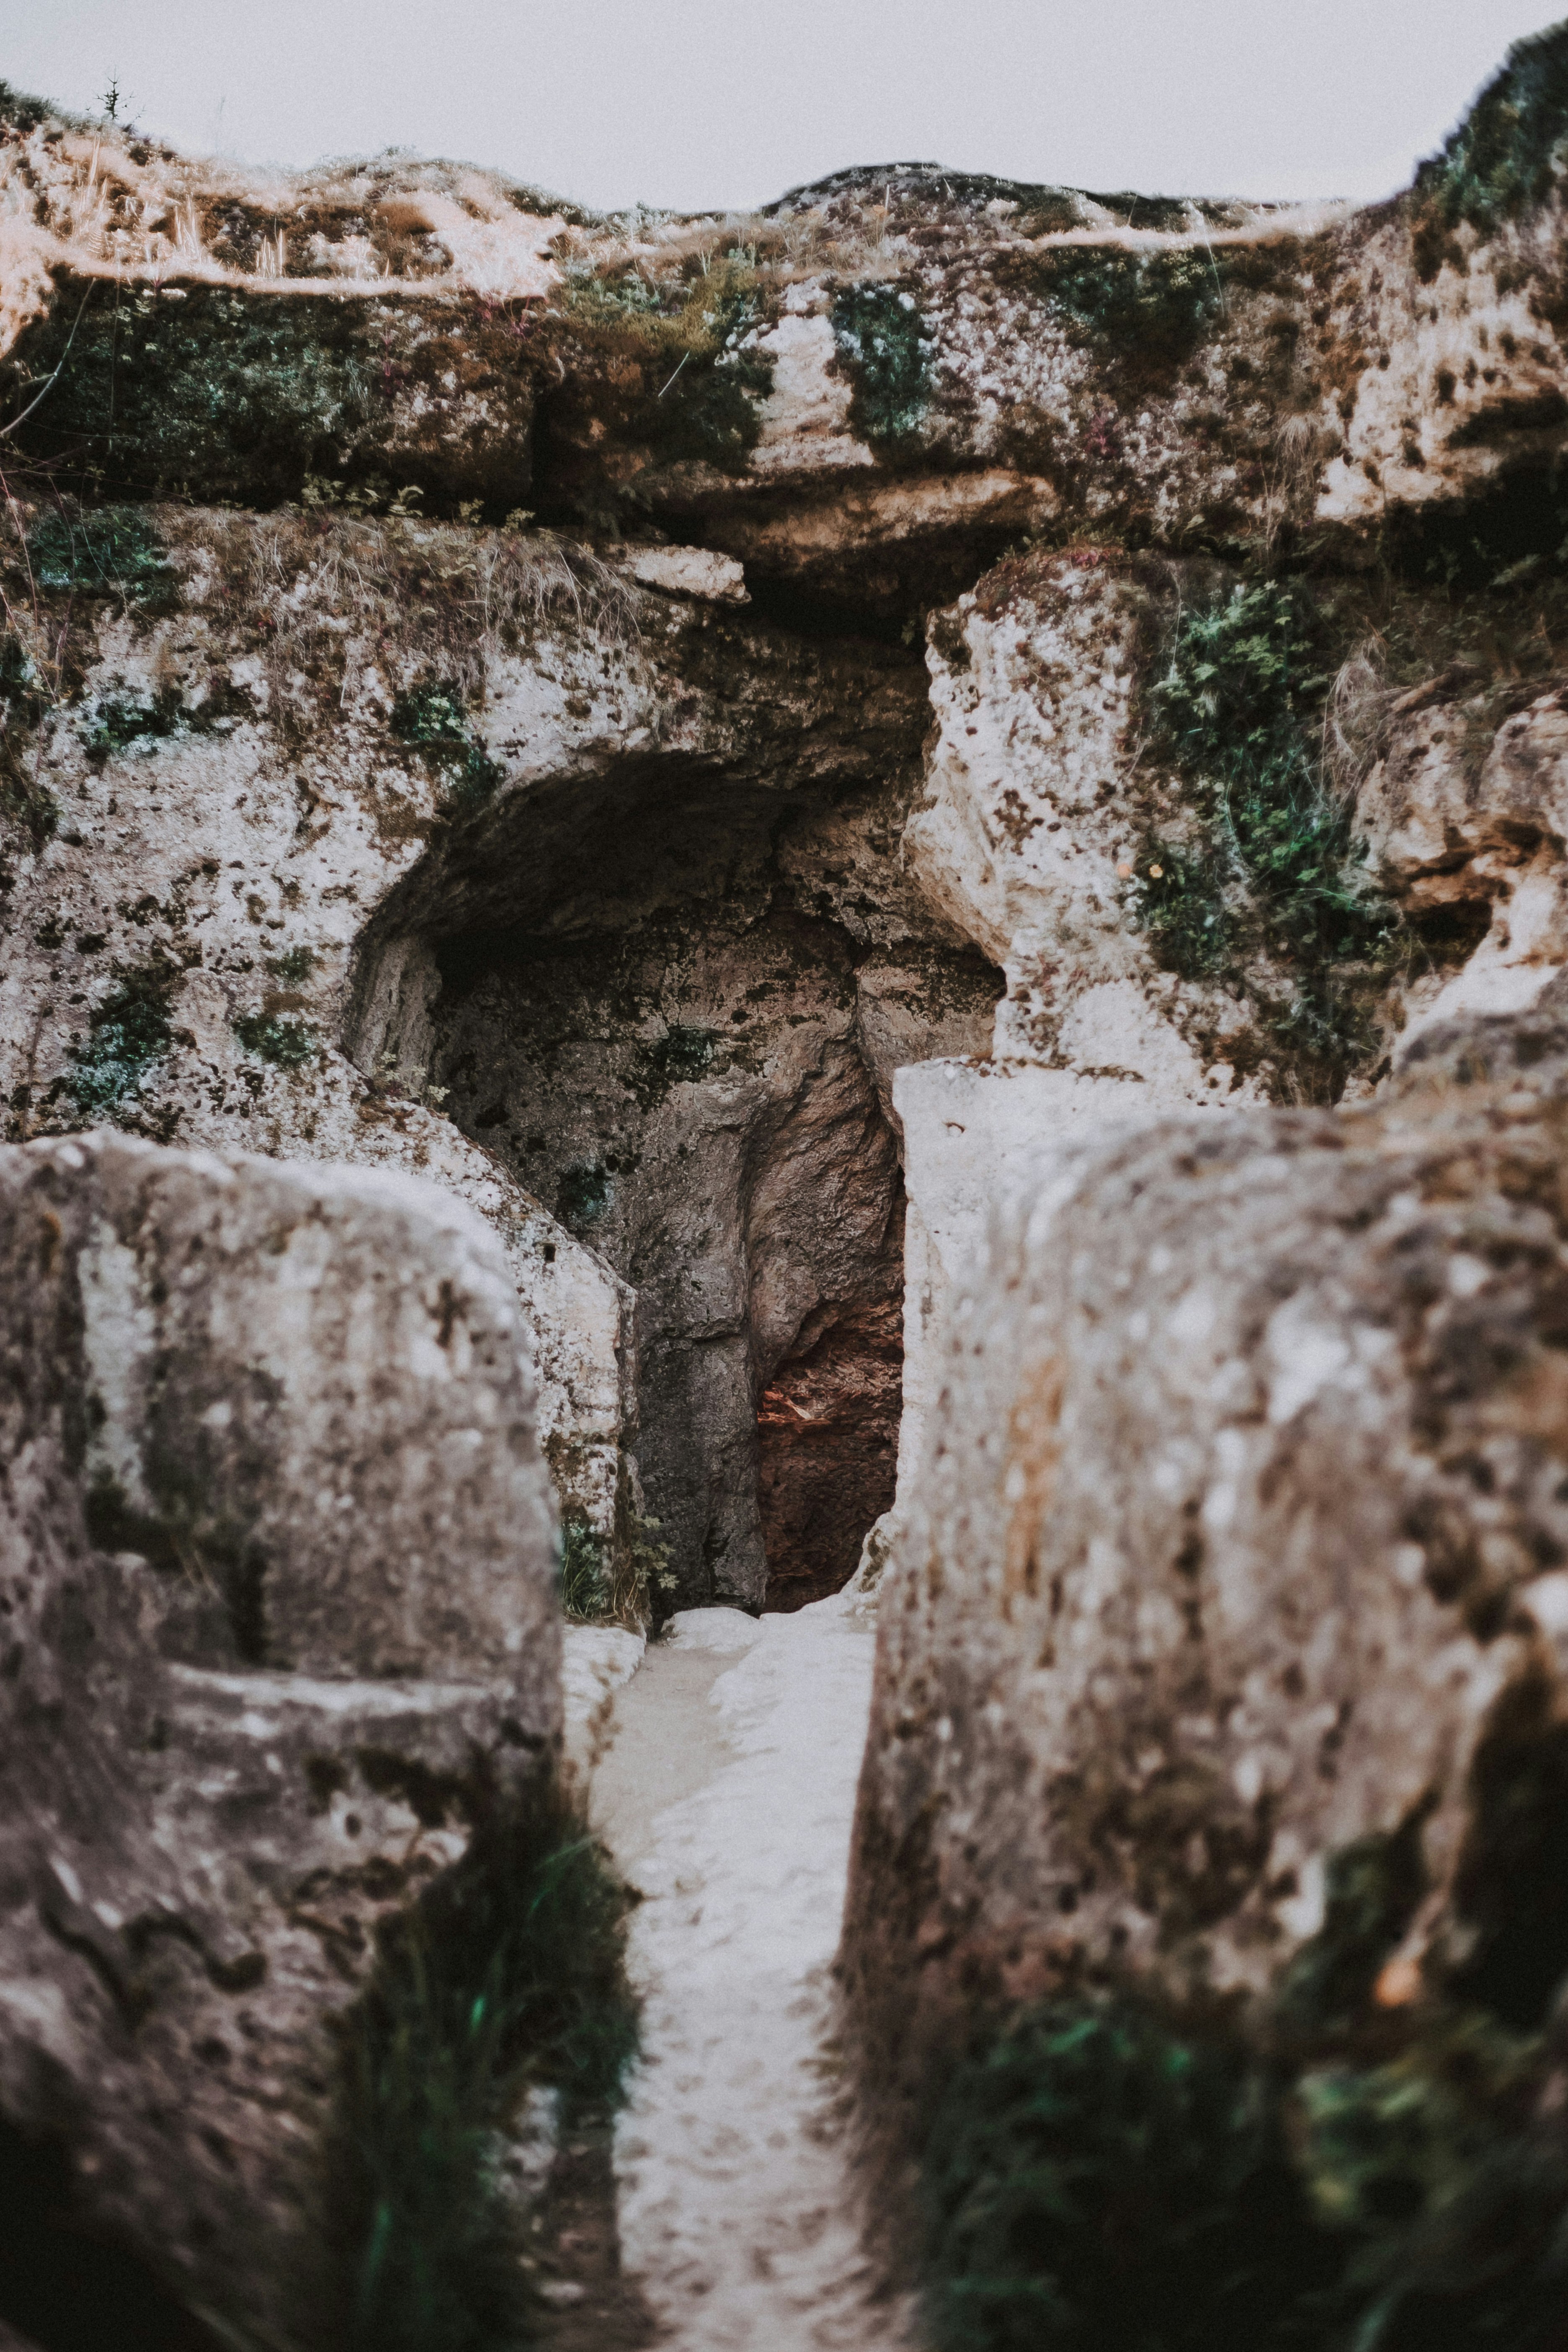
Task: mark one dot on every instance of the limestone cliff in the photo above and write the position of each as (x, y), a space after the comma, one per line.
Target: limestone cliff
(929, 798)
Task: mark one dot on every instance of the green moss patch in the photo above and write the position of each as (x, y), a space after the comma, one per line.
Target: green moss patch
(127, 1034)
(122, 720)
(102, 552)
(1511, 149)
(508, 1975)
(881, 340)
(681, 1057)
(583, 1193)
(1147, 311)
(1273, 869)
(286, 1044)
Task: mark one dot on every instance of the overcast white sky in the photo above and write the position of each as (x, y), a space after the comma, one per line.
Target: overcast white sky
(705, 103)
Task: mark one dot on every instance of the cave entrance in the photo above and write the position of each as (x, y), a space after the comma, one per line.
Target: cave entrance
(670, 1001)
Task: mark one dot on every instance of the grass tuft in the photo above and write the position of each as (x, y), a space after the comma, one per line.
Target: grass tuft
(508, 1975)
(1097, 2178)
(585, 1575)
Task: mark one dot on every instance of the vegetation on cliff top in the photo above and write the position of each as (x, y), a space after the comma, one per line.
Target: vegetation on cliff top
(1511, 149)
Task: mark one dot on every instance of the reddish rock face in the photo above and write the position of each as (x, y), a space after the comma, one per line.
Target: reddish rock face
(827, 1433)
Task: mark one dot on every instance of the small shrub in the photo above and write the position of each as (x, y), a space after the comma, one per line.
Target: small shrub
(1181, 905)
(288, 1045)
(435, 718)
(122, 720)
(21, 112)
(584, 1576)
(673, 366)
(1149, 310)
(1512, 147)
(127, 1033)
(243, 393)
(103, 551)
(1240, 710)
(510, 1974)
(294, 966)
(880, 337)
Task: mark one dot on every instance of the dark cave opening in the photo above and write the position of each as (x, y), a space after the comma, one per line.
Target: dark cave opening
(669, 999)
(65, 2288)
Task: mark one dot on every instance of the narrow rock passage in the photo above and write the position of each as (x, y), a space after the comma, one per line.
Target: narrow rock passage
(727, 1795)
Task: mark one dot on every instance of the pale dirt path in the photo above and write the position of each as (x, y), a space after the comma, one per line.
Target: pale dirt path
(727, 1795)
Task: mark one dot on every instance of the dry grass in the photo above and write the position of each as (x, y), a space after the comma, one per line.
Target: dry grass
(334, 601)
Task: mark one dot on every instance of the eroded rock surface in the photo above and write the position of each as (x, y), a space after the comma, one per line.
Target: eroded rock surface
(281, 1628)
(1235, 1542)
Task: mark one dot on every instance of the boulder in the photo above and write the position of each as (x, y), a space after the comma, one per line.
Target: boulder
(280, 1632)
(1235, 1541)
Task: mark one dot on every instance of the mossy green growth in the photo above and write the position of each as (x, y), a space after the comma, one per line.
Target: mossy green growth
(1511, 149)
(881, 338)
(1274, 868)
(507, 1976)
(583, 1193)
(680, 1057)
(127, 1033)
(286, 1044)
(435, 718)
(243, 394)
(122, 720)
(100, 551)
(1150, 311)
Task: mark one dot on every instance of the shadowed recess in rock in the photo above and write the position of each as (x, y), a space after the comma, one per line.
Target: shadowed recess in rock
(669, 997)
(68, 2289)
